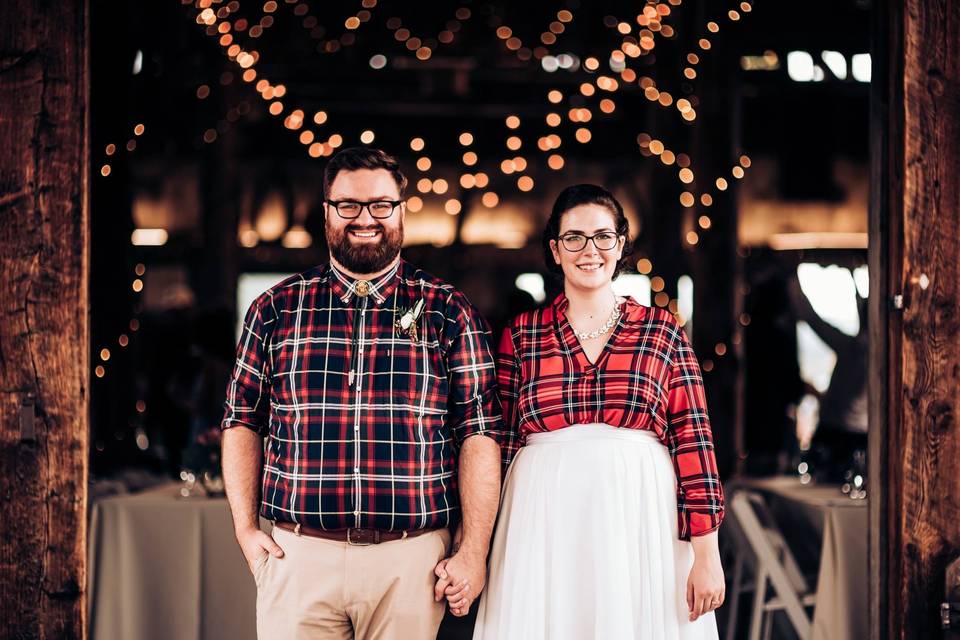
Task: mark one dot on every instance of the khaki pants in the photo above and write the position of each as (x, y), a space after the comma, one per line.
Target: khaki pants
(322, 589)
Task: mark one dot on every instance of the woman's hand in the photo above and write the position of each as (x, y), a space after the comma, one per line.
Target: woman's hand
(706, 588)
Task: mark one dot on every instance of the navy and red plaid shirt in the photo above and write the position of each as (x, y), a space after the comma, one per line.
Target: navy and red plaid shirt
(647, 377)
(376, 447)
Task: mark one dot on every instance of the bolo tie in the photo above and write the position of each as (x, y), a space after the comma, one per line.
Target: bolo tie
(362, 289)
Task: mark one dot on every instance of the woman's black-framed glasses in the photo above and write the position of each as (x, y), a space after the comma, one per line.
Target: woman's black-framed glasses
(604, 241)
(351, 209)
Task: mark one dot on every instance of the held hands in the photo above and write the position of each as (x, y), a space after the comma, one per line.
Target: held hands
(706, 589)
(254, 544)
(460, 578)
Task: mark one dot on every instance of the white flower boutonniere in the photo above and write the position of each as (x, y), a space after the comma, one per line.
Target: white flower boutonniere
(407, 324)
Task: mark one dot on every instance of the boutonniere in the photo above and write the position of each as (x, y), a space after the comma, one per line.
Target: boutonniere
(406, 325)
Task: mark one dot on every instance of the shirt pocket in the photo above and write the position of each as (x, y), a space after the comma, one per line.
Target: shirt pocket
(413, 375)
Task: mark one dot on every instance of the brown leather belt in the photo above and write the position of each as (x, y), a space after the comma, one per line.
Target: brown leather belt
(356, 537)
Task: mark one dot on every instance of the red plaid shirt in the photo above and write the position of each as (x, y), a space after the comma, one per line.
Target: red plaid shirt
(647, 377)
(378, 447)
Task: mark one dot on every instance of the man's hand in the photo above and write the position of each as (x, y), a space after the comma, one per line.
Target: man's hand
(460, 579)
(254, 543)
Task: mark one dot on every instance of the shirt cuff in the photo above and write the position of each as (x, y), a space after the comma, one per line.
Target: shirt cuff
(230, 423)
(700, 524)
(495, 435)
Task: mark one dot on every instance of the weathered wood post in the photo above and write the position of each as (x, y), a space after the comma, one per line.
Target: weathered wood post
(44, 333)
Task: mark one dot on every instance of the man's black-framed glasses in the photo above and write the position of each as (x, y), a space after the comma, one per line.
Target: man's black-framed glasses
(604, 241)
(351, 209)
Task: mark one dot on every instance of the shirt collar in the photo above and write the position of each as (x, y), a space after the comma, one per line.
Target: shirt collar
(345, 287)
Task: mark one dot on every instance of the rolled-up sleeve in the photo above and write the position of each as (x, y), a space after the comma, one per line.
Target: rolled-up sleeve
(247, 401)
(700, 500)
(508, 382)
(473, 404)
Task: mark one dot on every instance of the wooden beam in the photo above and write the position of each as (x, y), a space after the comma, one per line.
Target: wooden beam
(885, 263)
(44, 336)
(915, 357)
(716, 262)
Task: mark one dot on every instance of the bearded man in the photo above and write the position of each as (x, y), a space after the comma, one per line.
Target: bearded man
(373, 384)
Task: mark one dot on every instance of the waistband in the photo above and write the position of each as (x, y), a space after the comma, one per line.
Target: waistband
(595, 431)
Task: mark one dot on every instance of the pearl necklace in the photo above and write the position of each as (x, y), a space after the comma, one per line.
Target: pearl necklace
(590, 335)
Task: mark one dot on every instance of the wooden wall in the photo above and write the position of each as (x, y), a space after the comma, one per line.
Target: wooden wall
(44, 333)
(915, 370)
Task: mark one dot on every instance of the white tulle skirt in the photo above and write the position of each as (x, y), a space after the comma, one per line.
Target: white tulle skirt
(586, 543)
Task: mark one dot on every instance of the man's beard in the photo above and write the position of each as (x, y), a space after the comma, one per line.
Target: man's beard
(367, 257)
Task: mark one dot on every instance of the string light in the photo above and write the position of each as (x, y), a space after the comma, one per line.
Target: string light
(650, 26)
(490, 199)
(548, 37)
(123, 340)
(423, 48)
(452, 206)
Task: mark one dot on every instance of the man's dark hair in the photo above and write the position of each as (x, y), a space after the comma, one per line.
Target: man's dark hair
(356, 158)
(574, 196)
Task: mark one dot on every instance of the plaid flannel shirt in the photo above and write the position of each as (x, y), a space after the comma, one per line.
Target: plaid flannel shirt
(363, 419)
(647, 377)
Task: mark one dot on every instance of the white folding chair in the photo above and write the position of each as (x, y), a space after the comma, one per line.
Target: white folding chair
(774, 567)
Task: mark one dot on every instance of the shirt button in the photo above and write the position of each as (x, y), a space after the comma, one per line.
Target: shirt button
(356, 429)
(356, 469)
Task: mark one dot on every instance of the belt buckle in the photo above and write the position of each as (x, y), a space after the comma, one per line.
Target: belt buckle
(350, 540)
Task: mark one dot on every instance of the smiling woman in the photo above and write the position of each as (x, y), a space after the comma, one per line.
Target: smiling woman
(576, 207)
(615, 390)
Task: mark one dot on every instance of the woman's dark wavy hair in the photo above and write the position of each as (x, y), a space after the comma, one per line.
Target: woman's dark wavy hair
(577, 195)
